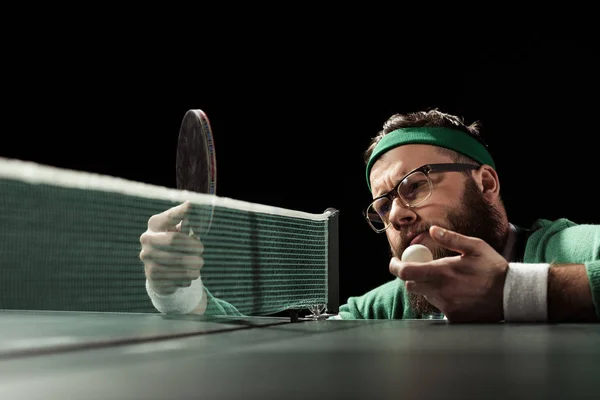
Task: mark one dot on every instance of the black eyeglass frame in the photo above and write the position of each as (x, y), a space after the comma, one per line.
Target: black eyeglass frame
(425, 169)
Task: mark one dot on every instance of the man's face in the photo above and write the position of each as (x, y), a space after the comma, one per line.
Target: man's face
(456, 203)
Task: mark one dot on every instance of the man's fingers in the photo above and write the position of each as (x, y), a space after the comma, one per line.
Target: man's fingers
(417, 271)
(421, 273)
(168, 220)
(173, 242)
(168, 287)
(172, 260)
(168, 275)
(454, 241)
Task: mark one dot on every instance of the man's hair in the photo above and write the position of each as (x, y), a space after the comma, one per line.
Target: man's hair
(429, 118)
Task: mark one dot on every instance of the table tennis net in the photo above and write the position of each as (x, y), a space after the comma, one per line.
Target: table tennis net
(70, 240)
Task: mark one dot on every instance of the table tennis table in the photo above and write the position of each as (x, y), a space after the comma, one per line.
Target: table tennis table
(96, 355)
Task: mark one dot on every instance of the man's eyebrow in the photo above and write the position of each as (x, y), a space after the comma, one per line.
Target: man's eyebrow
(392, 187)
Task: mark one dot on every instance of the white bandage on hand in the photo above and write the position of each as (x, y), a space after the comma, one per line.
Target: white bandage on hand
(182, 301)
(526, 293)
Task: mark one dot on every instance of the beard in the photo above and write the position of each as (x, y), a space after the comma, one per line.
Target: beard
(475, 218)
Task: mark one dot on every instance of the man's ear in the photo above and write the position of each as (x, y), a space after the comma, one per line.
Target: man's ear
(488, 182)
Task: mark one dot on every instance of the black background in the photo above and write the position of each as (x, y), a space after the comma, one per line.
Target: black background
(293, 103)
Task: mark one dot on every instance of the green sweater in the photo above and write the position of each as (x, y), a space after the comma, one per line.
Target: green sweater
(560, 241)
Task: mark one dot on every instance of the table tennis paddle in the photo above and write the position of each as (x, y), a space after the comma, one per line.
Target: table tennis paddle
(196, 167)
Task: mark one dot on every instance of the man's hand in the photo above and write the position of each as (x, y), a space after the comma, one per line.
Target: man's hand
(171, 259)
(468, 287)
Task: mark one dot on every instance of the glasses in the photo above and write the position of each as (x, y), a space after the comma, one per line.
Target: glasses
(413, 190)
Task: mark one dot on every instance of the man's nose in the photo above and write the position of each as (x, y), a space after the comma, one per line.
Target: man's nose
(400, 215)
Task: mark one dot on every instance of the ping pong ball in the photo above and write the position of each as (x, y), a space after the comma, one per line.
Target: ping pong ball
(417, 252)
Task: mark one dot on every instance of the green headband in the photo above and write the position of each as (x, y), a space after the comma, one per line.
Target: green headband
(452, 139)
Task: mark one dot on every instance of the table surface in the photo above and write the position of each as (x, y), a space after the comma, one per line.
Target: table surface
(60, 355)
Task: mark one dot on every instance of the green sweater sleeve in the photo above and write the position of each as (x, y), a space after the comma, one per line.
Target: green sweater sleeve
(218, 307)
(565, 242)
(387, 301)
(593, 272)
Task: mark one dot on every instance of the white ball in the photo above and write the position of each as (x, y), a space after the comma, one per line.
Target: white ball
(417, 252)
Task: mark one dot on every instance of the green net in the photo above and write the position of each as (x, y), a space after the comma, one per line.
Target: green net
(70, 241)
